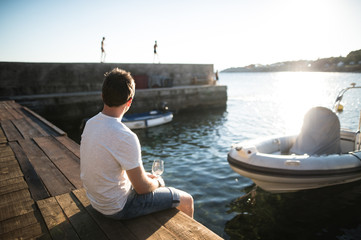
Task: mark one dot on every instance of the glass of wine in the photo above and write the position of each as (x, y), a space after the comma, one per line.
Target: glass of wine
(158, 167)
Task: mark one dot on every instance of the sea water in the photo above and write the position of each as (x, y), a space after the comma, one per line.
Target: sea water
(195, 144)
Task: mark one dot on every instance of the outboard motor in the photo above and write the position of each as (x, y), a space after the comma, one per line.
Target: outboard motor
(163, 107)
(320, 133)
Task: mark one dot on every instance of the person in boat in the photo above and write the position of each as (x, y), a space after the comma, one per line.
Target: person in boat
(111, 167)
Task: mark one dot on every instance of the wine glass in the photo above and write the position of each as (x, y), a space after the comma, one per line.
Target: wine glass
(158, 167)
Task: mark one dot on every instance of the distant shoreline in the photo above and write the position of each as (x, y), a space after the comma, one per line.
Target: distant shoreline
(233, 70)
(350, 63)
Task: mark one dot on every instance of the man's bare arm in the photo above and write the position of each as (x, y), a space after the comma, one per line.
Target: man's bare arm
(141, 182)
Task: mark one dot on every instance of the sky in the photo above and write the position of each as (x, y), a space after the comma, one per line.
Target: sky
(226, 33)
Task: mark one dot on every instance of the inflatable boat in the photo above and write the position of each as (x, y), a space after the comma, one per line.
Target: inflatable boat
(147, 119)
(321, 155)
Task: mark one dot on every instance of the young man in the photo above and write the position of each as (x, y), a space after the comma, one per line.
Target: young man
(111, 163)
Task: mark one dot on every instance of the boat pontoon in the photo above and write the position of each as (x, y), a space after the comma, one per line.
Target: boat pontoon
(321, 155)
(148, 119)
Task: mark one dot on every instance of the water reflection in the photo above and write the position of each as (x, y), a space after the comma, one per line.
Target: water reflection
(327, 213)
(194, 151)
(182, 134)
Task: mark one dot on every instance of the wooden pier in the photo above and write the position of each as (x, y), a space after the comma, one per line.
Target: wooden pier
(41, 194)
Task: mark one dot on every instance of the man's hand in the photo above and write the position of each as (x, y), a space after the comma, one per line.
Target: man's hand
(144, 182)
(161, 181)
(151, 175)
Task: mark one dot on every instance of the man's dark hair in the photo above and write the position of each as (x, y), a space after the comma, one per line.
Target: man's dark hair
(118, 87)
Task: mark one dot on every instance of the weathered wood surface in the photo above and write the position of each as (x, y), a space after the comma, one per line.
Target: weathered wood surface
(41, 195)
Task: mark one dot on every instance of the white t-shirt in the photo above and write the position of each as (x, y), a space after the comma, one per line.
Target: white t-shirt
(107, 149)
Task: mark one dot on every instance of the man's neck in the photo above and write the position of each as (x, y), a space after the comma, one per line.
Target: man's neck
(116, 112)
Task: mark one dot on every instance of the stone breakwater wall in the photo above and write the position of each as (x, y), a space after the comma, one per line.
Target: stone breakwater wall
(63, 91)
(46, 78)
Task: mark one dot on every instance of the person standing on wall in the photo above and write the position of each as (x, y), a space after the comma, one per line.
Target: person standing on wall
(217, 77)
(155, 47)
(111, 166)
(155, 52)
(103, 54)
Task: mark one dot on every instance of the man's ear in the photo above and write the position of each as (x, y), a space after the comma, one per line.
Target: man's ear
(129, 102)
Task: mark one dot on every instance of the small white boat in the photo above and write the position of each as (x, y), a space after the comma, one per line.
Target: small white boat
(321, 155)
(148, 119)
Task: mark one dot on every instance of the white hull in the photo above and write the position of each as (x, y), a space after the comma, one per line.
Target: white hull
(149, 121)
(263, 162)
(292, 184)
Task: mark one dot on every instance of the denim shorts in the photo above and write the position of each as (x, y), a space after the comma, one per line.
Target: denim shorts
(142, 204)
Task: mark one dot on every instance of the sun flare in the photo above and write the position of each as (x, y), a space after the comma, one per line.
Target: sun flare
(295, 94)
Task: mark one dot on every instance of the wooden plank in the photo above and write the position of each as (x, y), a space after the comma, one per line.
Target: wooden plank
(146, 227)
(19, 222)
(55, 219)
(14, 184)
(9, 103)
(113, 229)
(5, 164)
(70, 144)
(46, 122)
(11, 171)
(18, 109)
(8, 158)
(11, 161)
(36, 186)
(3, 145)
(11, 108)
(41, 126)
(9, 198)
(16, 209)
(5, 151)
(65, 160)
(29, 232)
(82, 222)
(3, 138)
(5, 113)
(42, 131)
(50, 175)
(44, 236)
(11, 181)
(12, 134)
(188, 229)
(26, 129)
